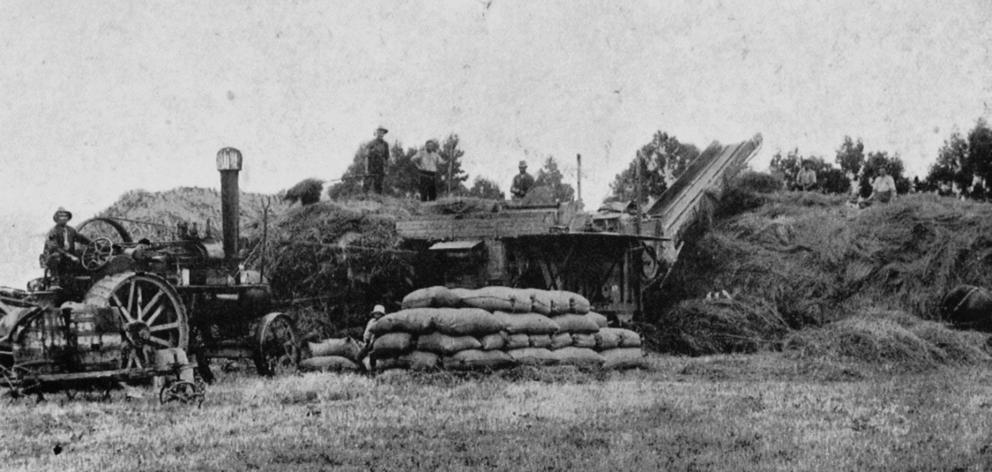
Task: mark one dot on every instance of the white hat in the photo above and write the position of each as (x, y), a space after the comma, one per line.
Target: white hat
(379, 309)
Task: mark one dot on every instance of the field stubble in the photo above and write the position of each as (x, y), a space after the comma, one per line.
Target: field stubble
(757, 412)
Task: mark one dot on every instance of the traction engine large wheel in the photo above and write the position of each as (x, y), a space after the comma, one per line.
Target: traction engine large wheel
(277, 349)
(145, 300)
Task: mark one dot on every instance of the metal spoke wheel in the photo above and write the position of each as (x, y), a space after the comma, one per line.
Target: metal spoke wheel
(278, 349)
(97, 254)
(19, 381)
(181, 391)
(146, 301)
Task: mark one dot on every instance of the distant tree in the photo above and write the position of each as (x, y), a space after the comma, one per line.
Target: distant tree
(401, 173)
(833, 180)
(451, 158)
(662, 160)
(551, 177)
(851, 156)
(980, 151)
(876, 160)
(307, 192)
(953, 165)
(485, 188)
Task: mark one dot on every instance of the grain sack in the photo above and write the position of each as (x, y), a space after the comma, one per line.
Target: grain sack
(342, 347)
(584, 340)
(493, 342)
(443, 344)
(560, 340)
(499, 299)
(465, 322)
(562, 302)
(328, 364)
(607, 338)
(391, 344)
(436, 297)
(533, 356)
(540, 301)
(624, 357)
(629, 338)
(579, 356)
(599, 319)
(386, 363)
(476, 359)
(530, 323)
(540, 340)
(422, 360)
(517, 341)
(575, 323)
(414, 320)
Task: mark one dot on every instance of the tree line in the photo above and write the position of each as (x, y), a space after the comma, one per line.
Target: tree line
(963, 166)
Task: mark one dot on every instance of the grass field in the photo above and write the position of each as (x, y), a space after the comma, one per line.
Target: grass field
(726, 413)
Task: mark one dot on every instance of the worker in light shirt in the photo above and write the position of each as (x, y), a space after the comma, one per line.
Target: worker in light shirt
(883, 188)
(427, 161)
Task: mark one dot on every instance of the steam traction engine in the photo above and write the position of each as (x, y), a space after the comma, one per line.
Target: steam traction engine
(128, 301)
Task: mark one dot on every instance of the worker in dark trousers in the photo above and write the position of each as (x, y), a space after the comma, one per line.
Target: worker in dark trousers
(376, 157)
(426, 161)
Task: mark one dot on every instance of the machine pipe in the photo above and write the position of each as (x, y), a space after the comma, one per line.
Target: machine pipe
(229, 164)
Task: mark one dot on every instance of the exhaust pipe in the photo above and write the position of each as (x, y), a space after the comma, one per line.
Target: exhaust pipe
(229, 164)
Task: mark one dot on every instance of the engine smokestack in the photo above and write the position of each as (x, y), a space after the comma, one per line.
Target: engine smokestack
(229, 164)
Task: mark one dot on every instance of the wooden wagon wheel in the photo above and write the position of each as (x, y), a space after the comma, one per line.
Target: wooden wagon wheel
(148, 305)
(277, 349)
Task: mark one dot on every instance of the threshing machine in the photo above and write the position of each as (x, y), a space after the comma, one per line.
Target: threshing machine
(612, 256)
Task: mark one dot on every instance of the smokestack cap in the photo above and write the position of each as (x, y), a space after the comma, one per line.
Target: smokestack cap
(229, 159)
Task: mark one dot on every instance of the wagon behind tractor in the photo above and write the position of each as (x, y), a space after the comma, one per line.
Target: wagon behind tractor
(126, 300)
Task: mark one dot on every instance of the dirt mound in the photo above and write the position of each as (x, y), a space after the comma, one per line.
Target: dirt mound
(891, 338)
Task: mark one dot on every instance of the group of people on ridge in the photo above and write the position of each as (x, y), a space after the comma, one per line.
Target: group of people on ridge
(427, 161)
(883, 186)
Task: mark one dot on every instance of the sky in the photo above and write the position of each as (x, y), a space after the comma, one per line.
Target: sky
(98, 98)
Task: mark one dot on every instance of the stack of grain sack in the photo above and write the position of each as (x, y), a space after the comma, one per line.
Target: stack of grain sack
(495, 327)
(332, 355)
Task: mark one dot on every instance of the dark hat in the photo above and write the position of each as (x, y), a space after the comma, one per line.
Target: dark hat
(61, 211)
(523, 163)
(384, 130)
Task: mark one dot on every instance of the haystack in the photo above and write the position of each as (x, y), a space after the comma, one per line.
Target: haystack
(817, 260)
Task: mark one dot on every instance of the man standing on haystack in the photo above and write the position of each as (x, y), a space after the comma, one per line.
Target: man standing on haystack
(369, 337)
(806, 178)
(522, 182)
(376, 156)
(426, 161)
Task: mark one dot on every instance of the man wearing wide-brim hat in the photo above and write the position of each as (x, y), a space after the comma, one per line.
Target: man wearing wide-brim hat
(522, 182)
(60, 245)
(376, 156)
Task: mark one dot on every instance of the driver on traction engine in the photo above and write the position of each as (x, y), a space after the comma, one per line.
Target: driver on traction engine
(59, 255)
